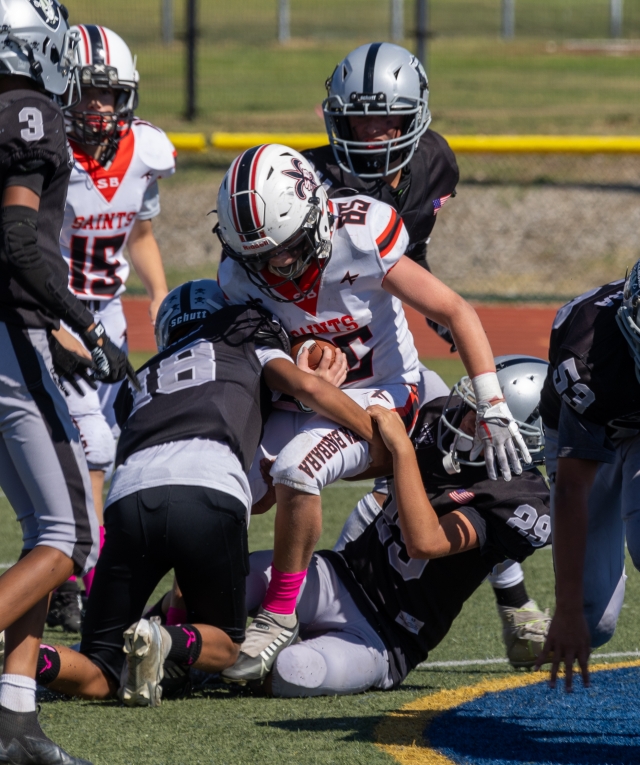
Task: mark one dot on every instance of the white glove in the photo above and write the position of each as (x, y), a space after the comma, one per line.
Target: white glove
(496, 431)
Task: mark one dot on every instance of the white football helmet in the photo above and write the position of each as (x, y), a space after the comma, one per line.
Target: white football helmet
(376, 79)
(35, 42)
(185, 308)
(105, 62)
(270, 202)
(627, 315)
(521, 379)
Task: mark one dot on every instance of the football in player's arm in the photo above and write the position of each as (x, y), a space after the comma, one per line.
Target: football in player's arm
(591, 412)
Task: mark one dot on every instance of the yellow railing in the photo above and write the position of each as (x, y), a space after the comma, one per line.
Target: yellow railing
(462, 144)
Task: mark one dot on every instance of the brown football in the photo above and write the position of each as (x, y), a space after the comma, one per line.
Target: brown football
(315, 346)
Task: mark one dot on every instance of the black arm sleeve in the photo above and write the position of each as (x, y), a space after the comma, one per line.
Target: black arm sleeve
(19, 253)
(32, 177)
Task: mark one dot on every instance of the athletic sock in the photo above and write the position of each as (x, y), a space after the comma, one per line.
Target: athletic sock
(176, 616)
(48, 664)
(514, 597)
(186, 644)
(88, 577)
(18, 693)
(283, 591)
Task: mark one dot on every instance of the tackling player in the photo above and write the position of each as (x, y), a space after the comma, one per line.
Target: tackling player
(43, 471)
(591, 413)
(111, 201)
(373, 611)
(180, 497)
(335, 269)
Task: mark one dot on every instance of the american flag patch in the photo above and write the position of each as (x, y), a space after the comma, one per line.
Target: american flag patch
(461, 496)
(438, 203)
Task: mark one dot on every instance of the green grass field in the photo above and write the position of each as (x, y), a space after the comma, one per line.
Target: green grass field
(223, 726)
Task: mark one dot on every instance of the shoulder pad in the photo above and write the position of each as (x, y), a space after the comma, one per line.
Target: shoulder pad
(154, 148)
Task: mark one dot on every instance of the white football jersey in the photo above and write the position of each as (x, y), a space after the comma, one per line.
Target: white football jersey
(348, 305)
(102, 206)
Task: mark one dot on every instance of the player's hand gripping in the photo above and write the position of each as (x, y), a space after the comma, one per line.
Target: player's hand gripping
(70, 360)
(498, 434)
(112, 364)
(391, 427)
(568, 640)
(334, 371)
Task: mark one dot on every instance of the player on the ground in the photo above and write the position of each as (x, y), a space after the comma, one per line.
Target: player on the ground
(335, 269)
(591, 413)
(111, 201)
(43, 471)
(180, 496)
(373, 611)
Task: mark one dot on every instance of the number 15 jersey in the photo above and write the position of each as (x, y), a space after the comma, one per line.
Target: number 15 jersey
(103, 204)
(348, 306)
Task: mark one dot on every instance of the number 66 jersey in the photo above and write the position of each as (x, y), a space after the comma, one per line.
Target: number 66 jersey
(348, 306)
(103, 203)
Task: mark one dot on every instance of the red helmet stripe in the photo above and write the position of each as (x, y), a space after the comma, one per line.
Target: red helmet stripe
(87, 47)
(105, 44)
(232, 191)
(255, 213)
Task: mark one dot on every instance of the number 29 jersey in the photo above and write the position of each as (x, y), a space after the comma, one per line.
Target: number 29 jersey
(348, 306)
(102, 206)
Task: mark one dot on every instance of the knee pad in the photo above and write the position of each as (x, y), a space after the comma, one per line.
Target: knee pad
(297, 671)
(506, 574)
(97, 440)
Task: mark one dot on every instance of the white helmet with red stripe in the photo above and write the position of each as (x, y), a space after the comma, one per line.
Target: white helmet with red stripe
(105, 63)
(270, 204)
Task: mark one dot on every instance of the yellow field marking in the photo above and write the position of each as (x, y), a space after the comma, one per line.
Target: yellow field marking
(402, 734)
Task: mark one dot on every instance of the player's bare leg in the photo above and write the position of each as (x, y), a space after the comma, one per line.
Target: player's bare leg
(298, 525)
(97, 487)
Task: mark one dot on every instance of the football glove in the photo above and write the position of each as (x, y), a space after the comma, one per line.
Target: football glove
(498, 434)
(112, 364)
(69, 365)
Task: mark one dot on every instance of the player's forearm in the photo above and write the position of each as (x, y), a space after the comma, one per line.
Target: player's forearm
(147, 260)
(331, 402)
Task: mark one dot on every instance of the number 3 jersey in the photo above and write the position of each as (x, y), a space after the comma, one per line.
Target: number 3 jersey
(103, 204)
(348, 305)
(413, 602)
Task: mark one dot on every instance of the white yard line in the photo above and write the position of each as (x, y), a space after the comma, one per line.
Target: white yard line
(484, 662)
(8, 565)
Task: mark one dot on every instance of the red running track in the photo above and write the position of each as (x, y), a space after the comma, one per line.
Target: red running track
(511, 329)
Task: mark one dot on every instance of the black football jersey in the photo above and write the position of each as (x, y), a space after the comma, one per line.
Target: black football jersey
(33, 138)
(430, 177)
(208, 385)
(413, 602)
(592, 371)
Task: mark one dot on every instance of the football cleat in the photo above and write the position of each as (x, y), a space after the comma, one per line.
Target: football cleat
(524, 631)
(23, 742)
(65, 609)
(147, 645)
(266, 637)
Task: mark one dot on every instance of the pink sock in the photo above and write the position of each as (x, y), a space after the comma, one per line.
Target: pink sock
(176, 616)
(72, 578)
(88, 577)
(283, 590)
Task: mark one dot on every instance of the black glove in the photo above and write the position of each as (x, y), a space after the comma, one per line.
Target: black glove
(67, 365)
(112, 364)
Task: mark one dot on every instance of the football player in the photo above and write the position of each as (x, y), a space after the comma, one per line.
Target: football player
(335, 269)
(111, 201)
(591, 413)
(43, 471)
(180, 496)
(374, 610)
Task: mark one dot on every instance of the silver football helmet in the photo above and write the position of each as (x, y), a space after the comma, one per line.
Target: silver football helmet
(521, 379)
(627, 315)
(373, 80)
(35, 42)
(185, 308)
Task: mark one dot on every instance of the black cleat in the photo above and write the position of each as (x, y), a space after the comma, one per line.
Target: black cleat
(23, 742)
(66, 608)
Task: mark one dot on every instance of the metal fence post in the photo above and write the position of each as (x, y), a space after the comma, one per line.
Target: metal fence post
(422, 31)
(167, 21)
(284, 21)
(191, 58)
(616, 11)
(397, 20)
(508, 19)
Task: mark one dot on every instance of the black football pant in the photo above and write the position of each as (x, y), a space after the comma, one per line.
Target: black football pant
(199, 532)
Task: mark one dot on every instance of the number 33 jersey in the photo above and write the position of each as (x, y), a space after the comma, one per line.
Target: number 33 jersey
(103, 204)
(348, 305)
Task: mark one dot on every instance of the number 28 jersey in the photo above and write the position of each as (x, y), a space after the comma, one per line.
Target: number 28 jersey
(102, 206)
(348, 305)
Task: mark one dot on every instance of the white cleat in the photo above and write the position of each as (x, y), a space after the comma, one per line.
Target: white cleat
(524, 631)
(146, 644)
(267, 635)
